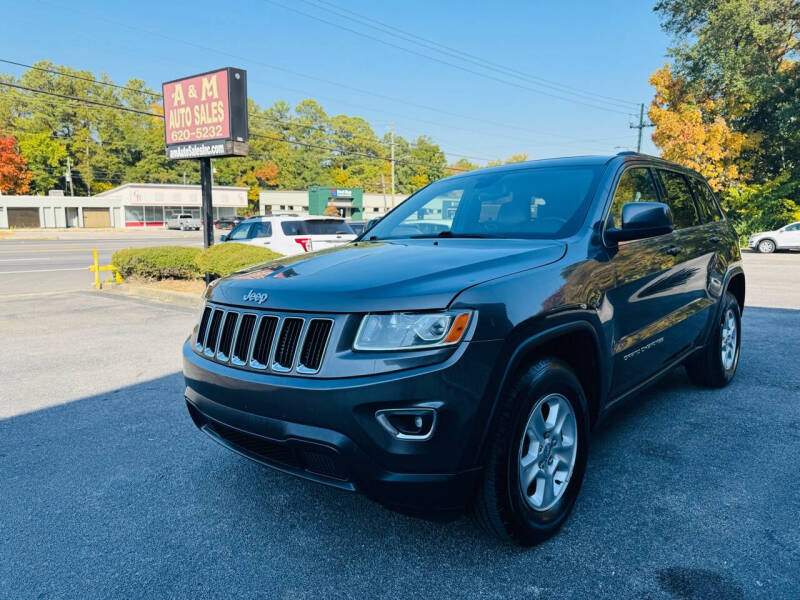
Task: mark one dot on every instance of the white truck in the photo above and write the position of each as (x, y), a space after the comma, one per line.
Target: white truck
(183, 222)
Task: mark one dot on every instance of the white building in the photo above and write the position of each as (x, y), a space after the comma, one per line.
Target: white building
(277, 202)
(129, 205)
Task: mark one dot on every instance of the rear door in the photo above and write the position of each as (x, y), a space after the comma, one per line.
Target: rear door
(695, 246)
(323, 233)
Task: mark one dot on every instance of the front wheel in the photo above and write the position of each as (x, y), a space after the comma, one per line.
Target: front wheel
(536, 455)
(766, 246)
(715, 365)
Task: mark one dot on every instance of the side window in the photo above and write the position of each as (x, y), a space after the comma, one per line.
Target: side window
(794, 227)
(709, 211)
(679, 198)
(261, 230)
(635, 185)
(240, 233)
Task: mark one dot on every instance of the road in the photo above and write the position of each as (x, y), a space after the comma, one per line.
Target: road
(35, 263)
(108, 491)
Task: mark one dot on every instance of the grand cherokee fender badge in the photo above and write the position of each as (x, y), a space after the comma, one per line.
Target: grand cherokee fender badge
(255, 297)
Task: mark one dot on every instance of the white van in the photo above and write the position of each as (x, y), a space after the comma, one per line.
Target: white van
(290, 235)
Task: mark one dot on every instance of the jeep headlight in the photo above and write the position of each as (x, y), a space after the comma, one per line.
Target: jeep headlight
(410, 331)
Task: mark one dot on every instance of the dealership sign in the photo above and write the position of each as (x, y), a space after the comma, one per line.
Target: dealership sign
(206, 115)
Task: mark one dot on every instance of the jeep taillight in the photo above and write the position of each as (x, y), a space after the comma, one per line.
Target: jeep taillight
(305, 243)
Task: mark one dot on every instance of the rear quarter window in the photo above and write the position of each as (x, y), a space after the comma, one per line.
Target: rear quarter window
(316, 227)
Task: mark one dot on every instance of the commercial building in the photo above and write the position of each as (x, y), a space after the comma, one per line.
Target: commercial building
(129, 205)
(352, 203)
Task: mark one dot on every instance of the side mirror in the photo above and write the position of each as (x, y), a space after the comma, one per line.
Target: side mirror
(642, 220)
(224, 238)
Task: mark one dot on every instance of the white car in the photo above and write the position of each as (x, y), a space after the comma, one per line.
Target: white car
(785, 238)
(291, 235)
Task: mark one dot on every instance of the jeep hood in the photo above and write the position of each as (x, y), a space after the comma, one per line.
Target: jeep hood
(381, 276)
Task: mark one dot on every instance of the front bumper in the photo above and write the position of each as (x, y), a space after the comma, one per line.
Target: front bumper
(326, 430)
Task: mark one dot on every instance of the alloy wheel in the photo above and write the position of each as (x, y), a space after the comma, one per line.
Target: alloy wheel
(548, 451)
(728, 343)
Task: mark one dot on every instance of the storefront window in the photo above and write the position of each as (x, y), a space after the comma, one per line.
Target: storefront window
(134, 215)
(154, 215)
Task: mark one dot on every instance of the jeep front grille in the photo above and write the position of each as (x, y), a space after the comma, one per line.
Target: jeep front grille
(263, 342)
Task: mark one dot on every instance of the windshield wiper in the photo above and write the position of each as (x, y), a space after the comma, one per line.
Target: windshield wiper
(449, 234)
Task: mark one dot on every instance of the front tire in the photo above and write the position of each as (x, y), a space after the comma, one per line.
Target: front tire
(766, 246)
(715, 365)
(536, 455)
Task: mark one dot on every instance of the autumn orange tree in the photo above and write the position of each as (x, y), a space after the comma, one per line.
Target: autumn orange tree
(690, 130)
(15, 177)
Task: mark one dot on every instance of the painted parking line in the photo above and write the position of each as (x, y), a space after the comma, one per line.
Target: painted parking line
(44, 270)
(21, 259)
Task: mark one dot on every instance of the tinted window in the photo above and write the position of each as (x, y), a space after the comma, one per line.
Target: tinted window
(261, 229)
(316, 227)
(240, 233)
(635, 185)
(794, 227)
(679, 198)
(544, 202)
(705, 202)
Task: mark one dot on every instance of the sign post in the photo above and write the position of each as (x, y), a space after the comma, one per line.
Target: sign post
(205, 116)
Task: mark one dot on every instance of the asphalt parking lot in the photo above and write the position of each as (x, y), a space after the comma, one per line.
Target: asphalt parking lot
(107, 490)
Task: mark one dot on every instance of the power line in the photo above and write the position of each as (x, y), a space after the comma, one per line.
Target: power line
(369, 93)
(459, 54)
(74, 76)
(84, 100)
(445, 62)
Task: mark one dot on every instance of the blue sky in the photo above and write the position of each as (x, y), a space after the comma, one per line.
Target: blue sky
(597, 49)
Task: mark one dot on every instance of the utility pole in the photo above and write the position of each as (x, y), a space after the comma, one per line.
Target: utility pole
(383, 187)
(68, 177)
(392, 165)
(640, 127)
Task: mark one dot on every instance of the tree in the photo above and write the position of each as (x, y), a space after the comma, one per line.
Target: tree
(46, 158)
(462, 165)
(692, 132)
(15, 177)
(331, 211)
(736, 73)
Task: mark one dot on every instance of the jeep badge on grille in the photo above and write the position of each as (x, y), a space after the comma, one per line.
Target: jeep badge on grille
(255, 297)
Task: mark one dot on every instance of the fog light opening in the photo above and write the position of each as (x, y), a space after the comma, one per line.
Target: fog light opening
(415, 424)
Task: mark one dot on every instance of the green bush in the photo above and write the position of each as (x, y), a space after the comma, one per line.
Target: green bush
(158, 262)
(223, 259)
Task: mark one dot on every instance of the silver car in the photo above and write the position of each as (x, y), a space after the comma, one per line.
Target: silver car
(785, 238)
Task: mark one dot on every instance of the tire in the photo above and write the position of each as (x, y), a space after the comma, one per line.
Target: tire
(715, 365)
(766, 246)
(501, 506)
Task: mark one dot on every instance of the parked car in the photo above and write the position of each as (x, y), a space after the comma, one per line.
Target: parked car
(228, 222)
(290, 235)
(183, 222)
(463, 368)
(785, 238)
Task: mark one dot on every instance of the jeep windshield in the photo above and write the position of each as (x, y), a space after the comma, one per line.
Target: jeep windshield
(531, 202)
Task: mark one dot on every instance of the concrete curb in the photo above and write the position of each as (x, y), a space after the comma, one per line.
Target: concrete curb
(186, 299)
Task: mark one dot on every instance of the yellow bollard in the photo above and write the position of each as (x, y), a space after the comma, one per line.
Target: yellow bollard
(96, 271)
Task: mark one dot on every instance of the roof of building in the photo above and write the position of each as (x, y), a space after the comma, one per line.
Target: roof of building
(185, 186)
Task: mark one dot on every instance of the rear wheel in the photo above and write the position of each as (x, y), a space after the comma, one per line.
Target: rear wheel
(715, 365)
(537, 455)
(766, 246)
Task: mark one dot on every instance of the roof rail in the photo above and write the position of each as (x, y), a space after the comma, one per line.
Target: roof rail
(626, 153)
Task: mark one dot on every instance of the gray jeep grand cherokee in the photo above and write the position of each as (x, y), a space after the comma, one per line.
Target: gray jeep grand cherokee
(458, 353)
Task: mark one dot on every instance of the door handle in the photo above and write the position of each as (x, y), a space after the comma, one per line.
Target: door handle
(713, 239)
(673, 250)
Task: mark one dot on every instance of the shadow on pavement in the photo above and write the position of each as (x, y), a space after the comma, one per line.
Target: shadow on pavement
(118, 495)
